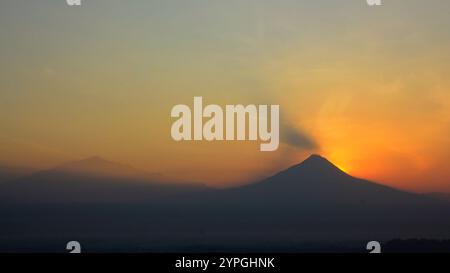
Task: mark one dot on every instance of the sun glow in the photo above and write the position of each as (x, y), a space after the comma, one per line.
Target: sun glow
(342, 168)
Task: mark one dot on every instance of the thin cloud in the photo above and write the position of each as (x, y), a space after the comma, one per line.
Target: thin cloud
(296, 138)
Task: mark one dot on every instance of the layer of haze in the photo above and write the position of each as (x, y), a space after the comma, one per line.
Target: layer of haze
(367, 87)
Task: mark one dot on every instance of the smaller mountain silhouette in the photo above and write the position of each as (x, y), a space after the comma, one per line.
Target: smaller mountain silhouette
(91, 180)
(96, 166)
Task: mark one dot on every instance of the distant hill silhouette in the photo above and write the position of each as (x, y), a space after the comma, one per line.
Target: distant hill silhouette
(91, 180)
(303, 208)
(98, 167)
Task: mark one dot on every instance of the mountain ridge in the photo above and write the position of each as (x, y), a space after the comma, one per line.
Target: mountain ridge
(310, 201)
(99, 167)
(315, 180)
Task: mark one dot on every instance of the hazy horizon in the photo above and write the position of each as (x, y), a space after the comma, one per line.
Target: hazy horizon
(97, 166)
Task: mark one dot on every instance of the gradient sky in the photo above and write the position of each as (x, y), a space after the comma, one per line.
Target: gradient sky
(366, 87)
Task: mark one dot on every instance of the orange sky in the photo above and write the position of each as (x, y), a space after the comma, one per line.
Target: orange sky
(366, 87)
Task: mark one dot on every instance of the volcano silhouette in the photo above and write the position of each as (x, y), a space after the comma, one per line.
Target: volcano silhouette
(318, 182)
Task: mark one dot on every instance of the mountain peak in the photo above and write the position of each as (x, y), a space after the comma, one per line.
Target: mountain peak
(316, 157)
(318, 165)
